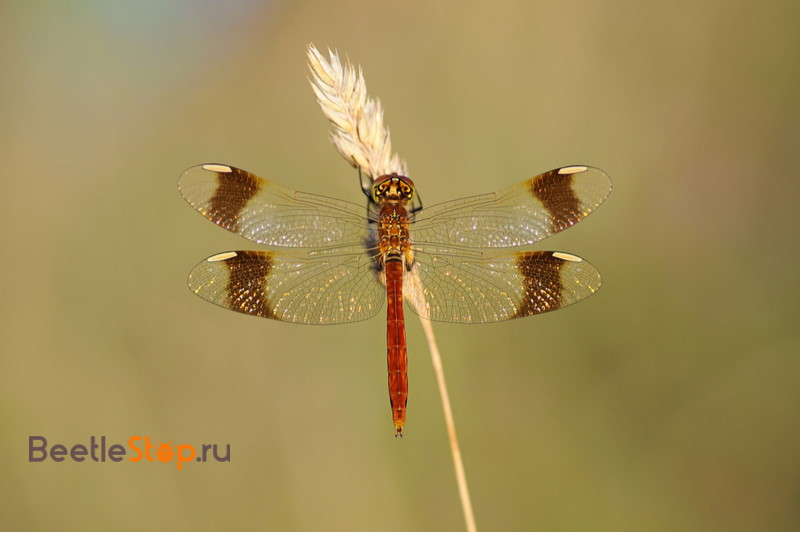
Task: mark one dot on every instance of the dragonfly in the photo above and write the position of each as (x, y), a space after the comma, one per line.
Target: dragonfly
(330, 261)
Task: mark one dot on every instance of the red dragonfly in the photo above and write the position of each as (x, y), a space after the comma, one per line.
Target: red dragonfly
(338, 262)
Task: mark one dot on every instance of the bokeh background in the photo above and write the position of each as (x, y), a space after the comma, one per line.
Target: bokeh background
(669, 400)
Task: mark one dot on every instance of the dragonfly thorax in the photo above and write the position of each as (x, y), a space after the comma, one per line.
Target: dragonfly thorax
(393, 188)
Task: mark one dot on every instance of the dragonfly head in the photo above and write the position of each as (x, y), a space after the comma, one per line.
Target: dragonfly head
(392, 187)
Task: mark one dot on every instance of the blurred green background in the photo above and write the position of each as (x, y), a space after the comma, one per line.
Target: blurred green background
(669, 400)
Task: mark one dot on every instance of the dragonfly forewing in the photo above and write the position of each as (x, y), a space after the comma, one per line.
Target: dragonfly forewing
(519, 215)
(268, 213)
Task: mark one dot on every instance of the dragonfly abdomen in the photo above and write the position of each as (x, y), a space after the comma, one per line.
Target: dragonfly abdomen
(396, 355)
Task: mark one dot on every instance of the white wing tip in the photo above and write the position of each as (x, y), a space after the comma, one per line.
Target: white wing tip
(221, 257)
(573, 170)
(217, 168)
(567, 257)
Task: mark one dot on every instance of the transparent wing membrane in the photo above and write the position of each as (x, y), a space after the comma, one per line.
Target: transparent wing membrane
(333, 274)
(268, 213)
(331, 287)
(476, 287)
(519, 215)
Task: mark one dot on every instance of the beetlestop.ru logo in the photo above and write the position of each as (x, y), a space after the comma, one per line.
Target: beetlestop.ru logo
(99, 451)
